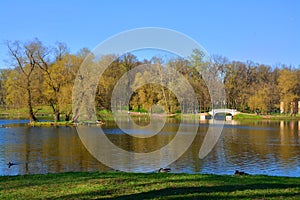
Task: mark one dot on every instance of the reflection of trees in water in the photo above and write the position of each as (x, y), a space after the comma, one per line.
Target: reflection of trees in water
(256, 147)
(279, 144)
(49, 150)
(148, 144)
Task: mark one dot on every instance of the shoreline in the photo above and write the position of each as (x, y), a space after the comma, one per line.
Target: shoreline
(108, 117)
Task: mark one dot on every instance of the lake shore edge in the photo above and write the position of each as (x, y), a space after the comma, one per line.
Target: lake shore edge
(47, 120)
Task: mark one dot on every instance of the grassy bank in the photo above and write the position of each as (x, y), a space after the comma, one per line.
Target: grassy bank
(45, 113)
(245, 116)
(118, 185)
(45, 124)
(41, 112)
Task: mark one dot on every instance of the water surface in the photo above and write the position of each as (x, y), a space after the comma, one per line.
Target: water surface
(257, 147)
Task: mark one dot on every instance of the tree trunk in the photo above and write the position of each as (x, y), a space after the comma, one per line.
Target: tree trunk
(67, 117)
(56, 116)
(32, 117)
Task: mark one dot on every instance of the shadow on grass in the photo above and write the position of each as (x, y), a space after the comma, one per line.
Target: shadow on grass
(157, 185)
(202, 192)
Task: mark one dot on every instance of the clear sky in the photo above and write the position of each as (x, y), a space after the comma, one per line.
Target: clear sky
(263, 31)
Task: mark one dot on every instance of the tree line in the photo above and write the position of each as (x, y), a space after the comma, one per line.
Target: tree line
(44, 75)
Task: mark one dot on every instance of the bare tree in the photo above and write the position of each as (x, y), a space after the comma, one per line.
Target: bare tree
(24, 60)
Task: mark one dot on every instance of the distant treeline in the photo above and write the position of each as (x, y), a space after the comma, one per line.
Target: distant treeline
(38, 75)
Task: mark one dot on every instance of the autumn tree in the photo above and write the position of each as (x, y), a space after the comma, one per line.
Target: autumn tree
(108, 80)
(237, 81)
(288, 84)
(259, 101)
(14, 92)
(54, 75)
(68, 67)
(146, 96)
(3, 78)
(24, 60)
(195, 72)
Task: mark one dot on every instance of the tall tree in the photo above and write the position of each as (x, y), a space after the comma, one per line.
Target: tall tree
(24, 60)
(288, 83)
(54, 76)
(196, 72)
(236, 82)
(69, 66)
(259, 102)
(2, 88)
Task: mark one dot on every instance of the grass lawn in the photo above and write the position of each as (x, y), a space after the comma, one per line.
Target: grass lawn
(45, 124)
(45, 112)
(245, 116)
(119, 185)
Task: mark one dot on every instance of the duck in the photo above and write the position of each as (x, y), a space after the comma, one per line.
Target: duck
(237, 172)
(164, 170)
(10, 164)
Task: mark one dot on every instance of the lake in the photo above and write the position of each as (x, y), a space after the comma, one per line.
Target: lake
(256, 147)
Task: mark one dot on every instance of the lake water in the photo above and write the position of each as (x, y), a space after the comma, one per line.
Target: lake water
(256, 147)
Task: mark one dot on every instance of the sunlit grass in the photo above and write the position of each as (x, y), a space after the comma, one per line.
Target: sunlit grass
(247, 116)
(45, 112)
(43, 124)
(120, 185)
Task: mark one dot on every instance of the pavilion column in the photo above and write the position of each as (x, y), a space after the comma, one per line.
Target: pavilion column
(281, 107)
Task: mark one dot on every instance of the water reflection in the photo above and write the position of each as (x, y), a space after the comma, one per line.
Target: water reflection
(44, 150)
(257, 147)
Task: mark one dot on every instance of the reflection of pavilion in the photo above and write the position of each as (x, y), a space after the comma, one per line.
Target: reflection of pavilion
(288, 126)
(289, 141)
(281, 127)
(288, 129)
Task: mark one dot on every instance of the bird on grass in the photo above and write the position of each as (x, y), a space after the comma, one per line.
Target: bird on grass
(164, 170)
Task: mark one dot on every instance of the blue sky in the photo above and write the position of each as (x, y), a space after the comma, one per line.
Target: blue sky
(265, 31)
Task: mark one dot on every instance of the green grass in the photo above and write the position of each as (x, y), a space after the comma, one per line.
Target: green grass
(45, 112)
(22, 113)
(284, 117)
(60, 123)
(119, 185)
(246, 116)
